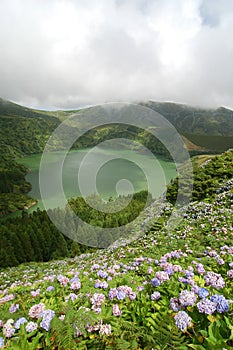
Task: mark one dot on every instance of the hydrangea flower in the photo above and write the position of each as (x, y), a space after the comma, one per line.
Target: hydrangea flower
(50, 289)
(203, 292)
(6, 298)
(35, 293)
(47, 318)
(100, 284)
(162, 276)
(187, 298)
(206, 306)
(102, 274)
(71, 296)
(155, 282)
(112, 293)
(105, 329)
(214, 280)
(62, 280)
(175, 304)
(97, 299)
(13, 308)
(132, 296)
(36, 310)
(200, 269)
(20, 321)
(155, 296)
(121, 295)
(8, 329)
(75, 285)
(31, 326)
(1, 342)
(220, 302)
(116, 310)
(182, 320)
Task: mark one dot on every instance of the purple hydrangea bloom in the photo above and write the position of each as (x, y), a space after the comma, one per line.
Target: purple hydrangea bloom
(200, 269)
(102, 274)
(31, 326)
(169, 271)
(175, 304)
(71, 296)
(100, 284)
(183, 280)
(8, 329)
(162, 276)
(187, 298)
(20, 321)
(13, 308)
(155, 296)
(132, 296)
(36, 310)
(97, 284)
(112, 293)
(220, 302)
(116, 310)
(75, 285)
(155, 282)
(47, 318)
(121, 295)
(214, 280)
(182, 320)
(35, 293)
(203, 292)
(74, 279)
(188, 273)
(206, 306)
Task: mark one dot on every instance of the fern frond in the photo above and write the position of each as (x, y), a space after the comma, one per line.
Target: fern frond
(166, 335)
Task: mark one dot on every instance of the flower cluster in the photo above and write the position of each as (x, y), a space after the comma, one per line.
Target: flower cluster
(47, 317)
(97, 300)
(214, 280)
(183, 320)
(36, 310)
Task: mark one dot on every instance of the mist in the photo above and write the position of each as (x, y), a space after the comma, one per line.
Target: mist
(68, 54)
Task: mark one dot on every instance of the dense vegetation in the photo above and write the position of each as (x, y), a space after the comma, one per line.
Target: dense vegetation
(207, 177)
(33, 237)
(22, 131)
(194, 120)
(169, 289)
(35, 234)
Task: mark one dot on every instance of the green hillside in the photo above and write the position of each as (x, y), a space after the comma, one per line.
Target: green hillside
(22, 131)
(211, 129)
(193, 120)
(171, 288)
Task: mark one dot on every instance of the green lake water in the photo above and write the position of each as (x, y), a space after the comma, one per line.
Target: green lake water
(128, 166)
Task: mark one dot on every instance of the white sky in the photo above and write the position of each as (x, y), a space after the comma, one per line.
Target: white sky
(69, 53)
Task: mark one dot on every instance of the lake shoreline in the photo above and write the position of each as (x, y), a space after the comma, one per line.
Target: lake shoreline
(166, 171)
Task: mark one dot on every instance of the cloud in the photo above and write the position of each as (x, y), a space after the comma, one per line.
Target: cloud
(68, 53)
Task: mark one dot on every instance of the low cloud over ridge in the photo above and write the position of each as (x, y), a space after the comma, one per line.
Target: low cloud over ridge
(69, 53)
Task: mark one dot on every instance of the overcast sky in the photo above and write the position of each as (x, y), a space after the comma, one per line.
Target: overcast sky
(69, 53)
